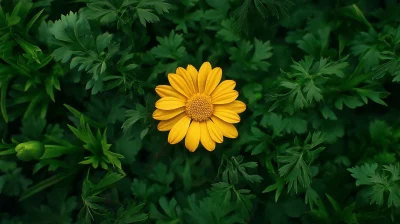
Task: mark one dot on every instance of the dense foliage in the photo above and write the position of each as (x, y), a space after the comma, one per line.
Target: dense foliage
(318, 143)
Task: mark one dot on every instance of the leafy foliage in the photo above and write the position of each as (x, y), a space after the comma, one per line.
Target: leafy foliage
(126, 11)
(97, 145)
(318, 142)
(296, 169)
(380, 183)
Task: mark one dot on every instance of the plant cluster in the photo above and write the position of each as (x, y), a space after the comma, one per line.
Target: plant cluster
(318, 142)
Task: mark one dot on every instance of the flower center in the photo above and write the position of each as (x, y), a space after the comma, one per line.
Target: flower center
(199, 107)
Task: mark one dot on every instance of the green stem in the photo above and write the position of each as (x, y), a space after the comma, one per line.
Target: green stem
(220, 166)
(48, 183)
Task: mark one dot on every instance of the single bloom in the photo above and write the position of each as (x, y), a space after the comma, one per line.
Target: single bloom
(197, 107)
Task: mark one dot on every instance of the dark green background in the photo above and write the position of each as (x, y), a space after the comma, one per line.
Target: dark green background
(318, 142)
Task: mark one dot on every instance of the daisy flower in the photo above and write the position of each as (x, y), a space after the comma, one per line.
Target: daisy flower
(197, 107)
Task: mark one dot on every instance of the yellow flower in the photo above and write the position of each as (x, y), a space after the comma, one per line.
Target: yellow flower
(195, 106)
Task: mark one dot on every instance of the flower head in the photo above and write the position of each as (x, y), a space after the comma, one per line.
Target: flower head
(198, 106)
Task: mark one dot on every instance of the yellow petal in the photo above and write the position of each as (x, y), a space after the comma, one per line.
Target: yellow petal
(163, 115)
(179, 84)
(224, 87)
(187, 77)
(236, 106)
(165, 90)
(227, 116)
(193, 72)
(205, 69)
(178, 131)
(168, 124)
(227, 129)
(193, 136)
(205, 137)
(169, 103)
(215, 133)
(213, 80)
(226, 98)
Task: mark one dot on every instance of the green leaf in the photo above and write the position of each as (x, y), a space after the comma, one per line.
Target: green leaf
(78, 114)
(274, 8)
(354, 12)
(333, 68)
(236, 167)
(295, 170)
(103, 41)
(32, 50)
(162, 174)
(313, 92)
(379, 183)
(311, 45)
(107, 181)
(169, 47)
(54, 151)
(262, 51)
(13, 20)
(226, 32)
(4, 87)
(61, 27)
(278, 186)
(142, 189)
(146, 16)
(392, 67)
(369, 55)
(62, 54)
(187, 176)
(32, 21)
(132, 214)
(373, 95)
(222, 191)
(327, 113)
(261, 8)
(312, 198)
(133, 117)
(143, 133)
(171, 210)
(259, 148)
(13, 182)
(252, 91)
